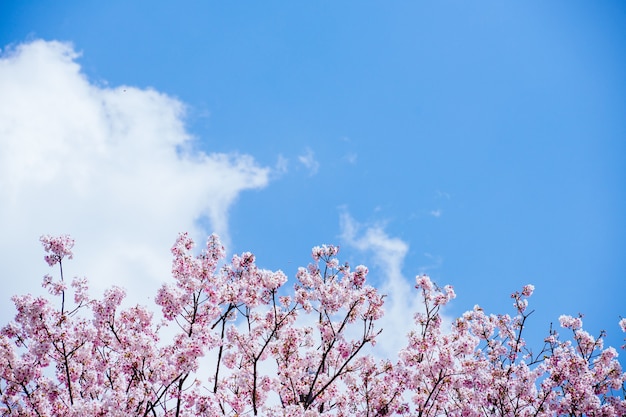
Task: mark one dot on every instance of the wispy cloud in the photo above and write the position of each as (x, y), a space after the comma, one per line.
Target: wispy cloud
(114, 167)
(351, 158)
(442, 194)
(436, 213)
(309, 161)
(435, 262)
(281, 167)
(387, 255)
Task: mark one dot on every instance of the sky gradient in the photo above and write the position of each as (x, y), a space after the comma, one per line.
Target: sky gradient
(481, 143)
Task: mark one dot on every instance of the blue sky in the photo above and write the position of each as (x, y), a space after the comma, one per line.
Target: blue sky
(483, 143)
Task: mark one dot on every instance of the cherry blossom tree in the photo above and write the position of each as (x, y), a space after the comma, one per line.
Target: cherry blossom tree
(231, 339)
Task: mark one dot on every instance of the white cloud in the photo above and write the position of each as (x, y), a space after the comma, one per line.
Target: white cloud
(435, 213)
(388, 255)
(113, 167)
(442, 194)
(403, 300)
(351, 158)
(281, 167)
(436, 261)
(389, 252)
(309, 161)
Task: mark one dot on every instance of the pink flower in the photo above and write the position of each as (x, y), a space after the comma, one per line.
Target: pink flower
(528, 290)
(570, 322)
(57, 247)
(233, 340)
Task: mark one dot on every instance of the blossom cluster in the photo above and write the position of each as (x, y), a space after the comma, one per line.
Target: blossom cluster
(57, 248)
(233, 340)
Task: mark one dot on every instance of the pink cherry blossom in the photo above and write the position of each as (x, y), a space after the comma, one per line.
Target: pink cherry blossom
(57, 248)
(233, 339)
